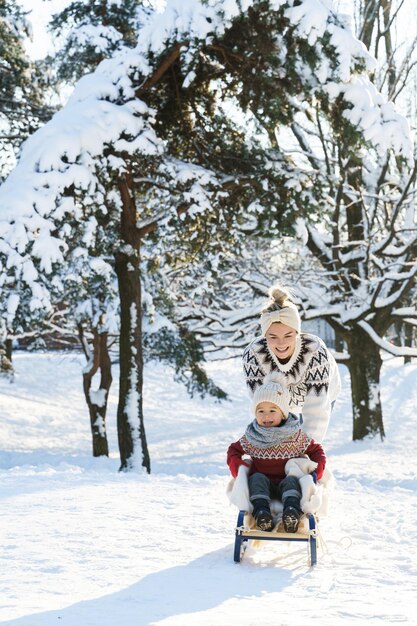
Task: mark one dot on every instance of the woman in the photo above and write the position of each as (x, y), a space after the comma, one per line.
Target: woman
(311, 373)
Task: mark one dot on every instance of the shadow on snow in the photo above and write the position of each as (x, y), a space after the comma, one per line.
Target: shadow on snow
(199, 585)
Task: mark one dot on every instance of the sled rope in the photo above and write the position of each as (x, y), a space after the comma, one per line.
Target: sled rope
(345, 543)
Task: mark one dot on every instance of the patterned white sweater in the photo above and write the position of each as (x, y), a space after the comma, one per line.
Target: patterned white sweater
(312, 377)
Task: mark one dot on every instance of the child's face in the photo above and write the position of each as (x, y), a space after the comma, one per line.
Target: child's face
(268, 414)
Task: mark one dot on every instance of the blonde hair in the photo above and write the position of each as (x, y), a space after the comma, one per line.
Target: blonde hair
(279, 297)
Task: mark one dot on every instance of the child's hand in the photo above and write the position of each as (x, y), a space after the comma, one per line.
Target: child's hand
(319, 471)
(234, 465)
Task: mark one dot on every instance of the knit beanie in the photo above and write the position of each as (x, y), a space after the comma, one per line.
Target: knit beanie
(273, 390)
(280, 309)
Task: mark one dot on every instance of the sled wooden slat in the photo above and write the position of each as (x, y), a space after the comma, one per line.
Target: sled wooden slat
(244, 535)
(259, 534)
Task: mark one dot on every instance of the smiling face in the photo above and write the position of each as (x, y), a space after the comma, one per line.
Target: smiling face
(268, 414)
(281, 340)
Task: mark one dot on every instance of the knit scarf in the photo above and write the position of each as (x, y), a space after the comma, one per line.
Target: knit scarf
(268, 437)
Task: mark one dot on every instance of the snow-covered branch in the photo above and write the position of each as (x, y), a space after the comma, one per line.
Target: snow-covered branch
(386, 345)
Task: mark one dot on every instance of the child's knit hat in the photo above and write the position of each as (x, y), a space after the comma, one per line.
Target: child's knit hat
(273, 390)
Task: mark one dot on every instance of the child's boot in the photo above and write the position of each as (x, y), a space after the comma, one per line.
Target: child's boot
(291, 514)
(262, 515)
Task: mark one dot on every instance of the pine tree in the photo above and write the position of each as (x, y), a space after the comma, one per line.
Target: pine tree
(22, 107)
(172, 145)
(91, 31)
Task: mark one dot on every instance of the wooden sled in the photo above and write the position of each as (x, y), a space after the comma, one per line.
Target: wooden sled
(244, 534)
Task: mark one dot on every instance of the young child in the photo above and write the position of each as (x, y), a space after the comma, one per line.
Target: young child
(273, 437)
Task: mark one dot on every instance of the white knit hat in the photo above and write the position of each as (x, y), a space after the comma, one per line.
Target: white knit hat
(288, 315)
(280, 308)
(273, 390)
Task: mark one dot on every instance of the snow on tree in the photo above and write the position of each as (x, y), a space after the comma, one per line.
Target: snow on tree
(149, 142)
(353, 262)
(90, 32)
(22, 102)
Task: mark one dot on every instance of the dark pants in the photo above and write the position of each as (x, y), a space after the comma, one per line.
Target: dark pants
(261, 488)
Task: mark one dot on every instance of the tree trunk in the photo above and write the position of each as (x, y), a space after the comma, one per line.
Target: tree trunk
(9, 348)
(130, 424)
(365, 367)
(368, 18)
(339, 345)
(408, 340)
(6, 365)
(97, 403)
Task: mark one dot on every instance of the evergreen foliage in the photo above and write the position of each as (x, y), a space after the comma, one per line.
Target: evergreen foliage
(22, 106)
(91, 31)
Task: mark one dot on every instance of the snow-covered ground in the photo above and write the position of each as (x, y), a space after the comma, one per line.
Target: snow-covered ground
(83, 545)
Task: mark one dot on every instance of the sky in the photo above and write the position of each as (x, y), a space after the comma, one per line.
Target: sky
(39, 15)
(42, 9)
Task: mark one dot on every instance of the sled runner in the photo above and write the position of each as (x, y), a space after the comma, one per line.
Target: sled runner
(307, 532)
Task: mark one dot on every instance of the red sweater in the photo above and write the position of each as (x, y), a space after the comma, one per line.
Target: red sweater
(271, 461)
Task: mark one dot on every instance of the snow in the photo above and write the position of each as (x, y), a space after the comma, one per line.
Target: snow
(84, 545)
(38, 16)
(311, 19)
